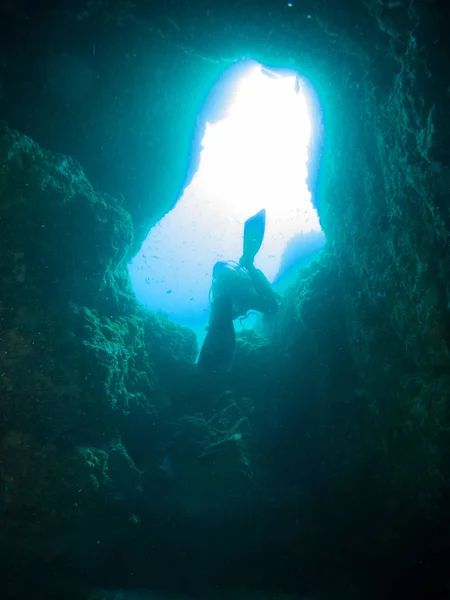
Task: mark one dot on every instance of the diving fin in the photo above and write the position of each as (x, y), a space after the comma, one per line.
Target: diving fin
(254, 229)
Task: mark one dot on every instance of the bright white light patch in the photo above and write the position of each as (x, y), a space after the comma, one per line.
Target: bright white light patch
(255, 158)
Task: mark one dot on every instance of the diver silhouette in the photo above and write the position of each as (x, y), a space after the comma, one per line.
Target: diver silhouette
(236, 289)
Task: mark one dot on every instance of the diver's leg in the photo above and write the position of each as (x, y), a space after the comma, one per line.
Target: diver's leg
(217, 352)
(266, 295)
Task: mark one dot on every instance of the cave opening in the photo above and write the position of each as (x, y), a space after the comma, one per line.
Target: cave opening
(253, 156)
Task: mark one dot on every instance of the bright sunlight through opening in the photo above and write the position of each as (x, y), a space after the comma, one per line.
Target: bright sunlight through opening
(255, 158)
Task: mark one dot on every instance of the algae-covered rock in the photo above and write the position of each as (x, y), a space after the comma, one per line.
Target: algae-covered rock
(78, 358)
(52, 500)
(60, 239)
(168, 341)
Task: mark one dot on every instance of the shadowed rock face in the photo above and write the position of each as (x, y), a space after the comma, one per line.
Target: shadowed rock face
(331, 433)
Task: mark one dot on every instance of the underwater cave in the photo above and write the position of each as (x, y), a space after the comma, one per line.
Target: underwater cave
(305, 454)
(255, 157)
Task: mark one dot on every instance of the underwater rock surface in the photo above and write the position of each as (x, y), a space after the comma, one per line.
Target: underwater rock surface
(73, 377)
(324, 452)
